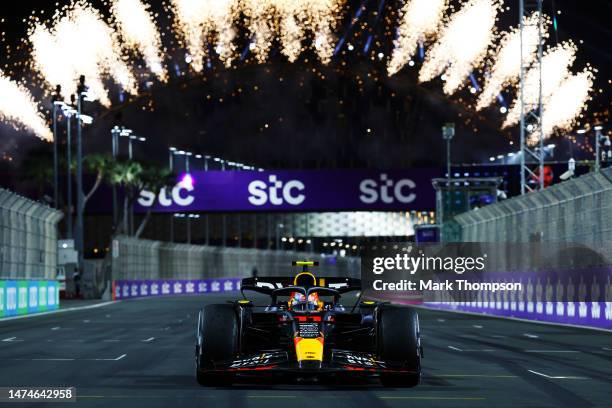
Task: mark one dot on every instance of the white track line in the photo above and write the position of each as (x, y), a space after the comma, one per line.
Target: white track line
(531, 336)
(108, 359)
(454, 348)
(552, 351)
(148, 340)
(558, 377)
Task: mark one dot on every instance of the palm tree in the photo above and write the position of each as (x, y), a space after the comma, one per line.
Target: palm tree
(102, 165)
(153, 179)
(126, 175)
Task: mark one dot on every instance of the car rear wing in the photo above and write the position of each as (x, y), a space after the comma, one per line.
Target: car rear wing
(267, 285)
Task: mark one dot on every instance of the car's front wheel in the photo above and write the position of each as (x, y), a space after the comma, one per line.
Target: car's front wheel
(398, 341)
(217, 341)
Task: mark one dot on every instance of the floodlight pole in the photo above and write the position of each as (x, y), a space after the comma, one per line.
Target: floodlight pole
(69, 173)
(448, 131)
(80, 199)
(56, 100)
(597, 150)
(115, 142)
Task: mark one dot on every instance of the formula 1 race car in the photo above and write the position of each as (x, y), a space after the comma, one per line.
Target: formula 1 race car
(305, 330)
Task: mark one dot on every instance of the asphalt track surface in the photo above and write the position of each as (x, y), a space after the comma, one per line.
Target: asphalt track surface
(139, 353)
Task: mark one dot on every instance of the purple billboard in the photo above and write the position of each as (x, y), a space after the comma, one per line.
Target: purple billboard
(295, 190)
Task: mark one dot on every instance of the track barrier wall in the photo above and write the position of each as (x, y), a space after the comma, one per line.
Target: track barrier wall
(154, 268)
(570, 226)
(28, 238)
(28, 256)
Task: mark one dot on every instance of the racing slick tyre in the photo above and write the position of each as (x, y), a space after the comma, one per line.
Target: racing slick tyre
(398, 340)
(218, 332)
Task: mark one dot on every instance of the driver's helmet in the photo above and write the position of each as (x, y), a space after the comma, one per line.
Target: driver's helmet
(314, 303)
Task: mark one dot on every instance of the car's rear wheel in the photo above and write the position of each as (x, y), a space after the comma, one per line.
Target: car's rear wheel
(218, 332)
(398, 341)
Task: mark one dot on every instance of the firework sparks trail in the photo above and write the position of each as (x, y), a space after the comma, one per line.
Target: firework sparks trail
(565, 104)
(462, 44)
(291, 31)
(139, 32)
(18, 108)
(321, 18)
(289, 20)
(507, 68)
(80, 43)
(263, 16)
(421, 20)
(555, 68)
(199, 20)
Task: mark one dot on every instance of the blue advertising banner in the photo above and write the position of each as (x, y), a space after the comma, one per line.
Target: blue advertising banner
(294, 190)
(27, 296)
(125, 289)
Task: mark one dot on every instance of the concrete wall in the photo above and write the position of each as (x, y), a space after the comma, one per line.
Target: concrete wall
(28, 238)
(144, 259)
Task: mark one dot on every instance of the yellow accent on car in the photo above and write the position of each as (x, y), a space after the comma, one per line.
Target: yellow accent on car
(309, 349)
(314, 279)
(304, 263)
(322, 282)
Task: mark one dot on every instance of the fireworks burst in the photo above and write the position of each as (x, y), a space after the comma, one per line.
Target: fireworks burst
(80, 43)
(139, 32)
(421, 20)
(201, 22)
(290, 20)
(18, 108)
(565, 104)
(462, 44)
(507, 68)
(555, 68)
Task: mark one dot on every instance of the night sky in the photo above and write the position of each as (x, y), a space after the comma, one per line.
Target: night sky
(306, 115)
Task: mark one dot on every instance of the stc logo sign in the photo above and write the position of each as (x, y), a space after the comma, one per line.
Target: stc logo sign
(276, 192)
(179, 196)
(387, 191)
(245, 191)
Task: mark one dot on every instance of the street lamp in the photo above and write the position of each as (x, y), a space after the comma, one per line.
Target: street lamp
(81, 93)
(57, 104)
(69, 111)
(115, 131)
(448, 131)
(598, 139)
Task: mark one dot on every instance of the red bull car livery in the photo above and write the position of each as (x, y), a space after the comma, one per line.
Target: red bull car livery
(306, 329)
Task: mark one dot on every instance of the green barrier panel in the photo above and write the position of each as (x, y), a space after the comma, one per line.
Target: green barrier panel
(42, 295)
(22, 297)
